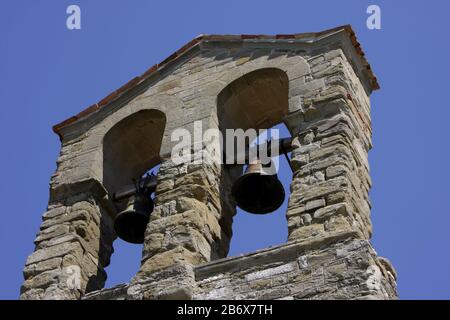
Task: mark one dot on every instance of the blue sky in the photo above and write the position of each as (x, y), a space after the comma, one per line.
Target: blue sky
(48, 73)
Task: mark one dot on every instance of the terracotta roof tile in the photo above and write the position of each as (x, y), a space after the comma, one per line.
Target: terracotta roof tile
(130, 84)
(188, 45)
(285, 36)
(249, 36)
(108, 98)
(149, 71)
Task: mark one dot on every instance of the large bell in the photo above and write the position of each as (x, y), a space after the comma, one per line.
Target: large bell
(258, 190)
(130, 224)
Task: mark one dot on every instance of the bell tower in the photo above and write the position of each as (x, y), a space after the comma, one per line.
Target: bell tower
(317, 84)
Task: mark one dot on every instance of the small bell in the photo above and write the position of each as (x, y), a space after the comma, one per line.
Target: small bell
(258, 190)
(131, 223)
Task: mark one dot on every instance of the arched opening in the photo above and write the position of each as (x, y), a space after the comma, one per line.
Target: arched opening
(257, 100)
(130, 149)
(252, 232)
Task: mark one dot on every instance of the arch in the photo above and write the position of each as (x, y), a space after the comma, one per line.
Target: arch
(295, 67)
(131, 147)
(257, 100)
(267, 230)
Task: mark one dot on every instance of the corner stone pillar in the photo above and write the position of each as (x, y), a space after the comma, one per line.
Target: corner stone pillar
(329, 190)
(73, 247)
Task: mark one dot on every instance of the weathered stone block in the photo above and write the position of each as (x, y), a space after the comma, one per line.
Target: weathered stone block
(307, 232)
(33, 294)
(54, 252)
(335, 171)
(46, 265)
(314, 204)
(170, 258)
(269, 272)
(52, 232)
(41, 280)
(52, 213)
(328, 211)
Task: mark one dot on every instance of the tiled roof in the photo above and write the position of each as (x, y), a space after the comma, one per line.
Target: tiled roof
(155, 68)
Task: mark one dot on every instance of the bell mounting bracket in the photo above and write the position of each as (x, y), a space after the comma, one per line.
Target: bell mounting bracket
(145, 185)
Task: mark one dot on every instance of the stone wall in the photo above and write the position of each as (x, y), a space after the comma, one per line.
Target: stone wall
(343, 268)
(299, 270)
(329, 190)
(317, 84)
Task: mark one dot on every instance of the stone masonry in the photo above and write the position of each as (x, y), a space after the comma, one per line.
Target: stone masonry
(317, 84)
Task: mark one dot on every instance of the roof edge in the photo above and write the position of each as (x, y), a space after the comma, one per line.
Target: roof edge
(153, 70)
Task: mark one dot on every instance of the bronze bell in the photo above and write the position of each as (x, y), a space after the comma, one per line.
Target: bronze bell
(258, 190)
(130, 224)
